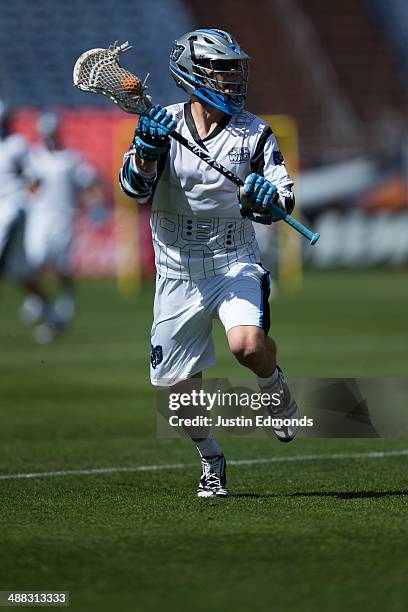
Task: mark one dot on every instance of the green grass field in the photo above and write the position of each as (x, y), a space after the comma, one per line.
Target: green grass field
(313, 534)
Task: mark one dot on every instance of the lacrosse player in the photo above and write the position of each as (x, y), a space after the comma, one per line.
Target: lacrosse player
(16, 179)
(207, 258)
(62, 175)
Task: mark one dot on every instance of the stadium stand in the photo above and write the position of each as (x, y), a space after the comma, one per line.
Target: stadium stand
(393, 19)
(327, 64)
(41, 41)
(349, 79)
(359, 52)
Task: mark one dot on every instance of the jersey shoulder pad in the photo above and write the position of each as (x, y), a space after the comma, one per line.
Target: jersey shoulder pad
(18, 144)
(247, 116)
(257, 125)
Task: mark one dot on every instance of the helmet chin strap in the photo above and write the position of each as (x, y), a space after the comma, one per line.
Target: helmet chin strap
(209, 108)
(216, 100)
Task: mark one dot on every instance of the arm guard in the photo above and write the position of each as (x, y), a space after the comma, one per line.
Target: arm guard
(134, 182)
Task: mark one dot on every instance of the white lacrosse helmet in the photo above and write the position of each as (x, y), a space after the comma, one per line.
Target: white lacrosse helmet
(48, 124)
(210, 64)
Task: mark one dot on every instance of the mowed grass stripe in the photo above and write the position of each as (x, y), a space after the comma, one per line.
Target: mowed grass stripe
(176, 466)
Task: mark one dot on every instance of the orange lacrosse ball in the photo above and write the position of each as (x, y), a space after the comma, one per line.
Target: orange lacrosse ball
(132, 85)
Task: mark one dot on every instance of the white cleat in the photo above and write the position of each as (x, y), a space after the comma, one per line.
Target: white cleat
(52, 326)
(44, 334)
(213, 481)
(286, 409)
(31, 310)
(64, 309)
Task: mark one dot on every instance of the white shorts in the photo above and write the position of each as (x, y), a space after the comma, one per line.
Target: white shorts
(12, 256)
(48, 243)
(181, 337)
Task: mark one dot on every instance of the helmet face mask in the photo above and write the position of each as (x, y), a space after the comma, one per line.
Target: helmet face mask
(210, 65)
(48, 126)
(225, 77)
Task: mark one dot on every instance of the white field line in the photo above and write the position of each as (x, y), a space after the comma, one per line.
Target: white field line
(177, 466)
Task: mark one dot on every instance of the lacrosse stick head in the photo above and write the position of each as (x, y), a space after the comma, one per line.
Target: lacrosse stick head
(99, 71)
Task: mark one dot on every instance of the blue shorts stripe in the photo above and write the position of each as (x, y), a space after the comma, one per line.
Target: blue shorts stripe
(265, 314)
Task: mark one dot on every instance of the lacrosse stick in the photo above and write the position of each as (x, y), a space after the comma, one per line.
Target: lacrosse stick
(99, 71)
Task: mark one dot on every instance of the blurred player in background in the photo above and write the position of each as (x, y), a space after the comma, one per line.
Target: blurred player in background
(16, 180)
(207, 258)
(62, 176)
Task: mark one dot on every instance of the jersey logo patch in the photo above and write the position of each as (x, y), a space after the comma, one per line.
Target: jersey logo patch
(278, 158)
(238, 156)
(156, 355)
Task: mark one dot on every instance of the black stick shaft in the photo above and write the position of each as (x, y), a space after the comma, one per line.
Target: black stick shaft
(202, 154)
(205, 156)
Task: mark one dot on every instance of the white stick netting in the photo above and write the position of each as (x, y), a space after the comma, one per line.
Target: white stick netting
(99, 71)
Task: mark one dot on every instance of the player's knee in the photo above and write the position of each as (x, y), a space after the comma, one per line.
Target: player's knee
(247, 350)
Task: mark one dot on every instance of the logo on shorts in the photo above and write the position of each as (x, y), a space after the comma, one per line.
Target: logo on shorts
(238, 156)
(156, 355)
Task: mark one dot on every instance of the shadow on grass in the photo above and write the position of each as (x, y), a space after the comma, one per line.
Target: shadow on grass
(338, 494)
(351, 494)
(257, 495)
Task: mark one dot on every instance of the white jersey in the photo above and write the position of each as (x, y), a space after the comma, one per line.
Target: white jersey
(13, 198)
(197, 228)
(13, 164)
(62, 173)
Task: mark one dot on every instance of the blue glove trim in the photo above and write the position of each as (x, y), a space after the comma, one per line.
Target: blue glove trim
(263, 195)
(151, 138)
(261, 191)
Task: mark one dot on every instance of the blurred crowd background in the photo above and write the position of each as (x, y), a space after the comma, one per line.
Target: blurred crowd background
(334, 72)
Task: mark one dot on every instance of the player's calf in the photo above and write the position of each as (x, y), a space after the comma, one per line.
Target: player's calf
(285, 413)
(253, 349)
(257, 352)
(213, 481)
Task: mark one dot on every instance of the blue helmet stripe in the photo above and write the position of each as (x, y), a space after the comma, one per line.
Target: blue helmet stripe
(216, 33)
